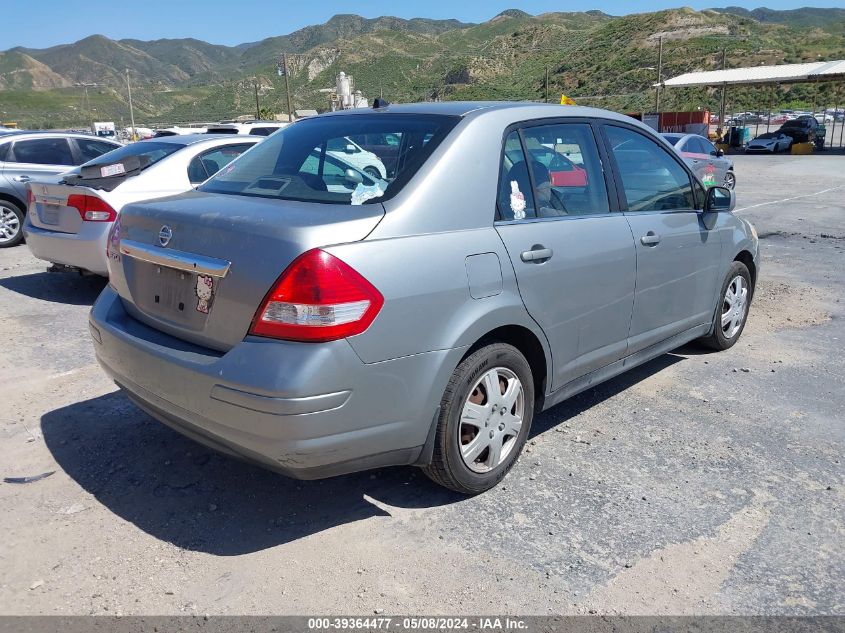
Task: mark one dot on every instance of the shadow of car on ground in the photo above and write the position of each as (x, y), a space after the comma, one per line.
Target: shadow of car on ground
(70, 288)
(181, 492)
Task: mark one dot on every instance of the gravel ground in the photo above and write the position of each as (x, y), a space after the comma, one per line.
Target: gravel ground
(699, 483)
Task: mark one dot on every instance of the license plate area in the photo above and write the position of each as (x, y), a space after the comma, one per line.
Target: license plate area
(173, 295)
(47, 213)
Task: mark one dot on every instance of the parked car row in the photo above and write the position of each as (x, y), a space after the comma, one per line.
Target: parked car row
(307, 313)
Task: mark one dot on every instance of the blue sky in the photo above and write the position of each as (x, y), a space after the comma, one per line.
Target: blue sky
(42, 23)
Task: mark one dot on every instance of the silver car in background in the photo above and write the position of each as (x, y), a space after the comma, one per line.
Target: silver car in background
(69, 218)
(707, 161)
(297, 313)
(27, 156)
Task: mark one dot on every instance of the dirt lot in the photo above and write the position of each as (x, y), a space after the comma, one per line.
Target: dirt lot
(698, 483)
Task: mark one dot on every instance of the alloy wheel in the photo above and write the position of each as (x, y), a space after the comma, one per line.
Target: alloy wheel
(730, 180)
(734, 306)
(10, 224)
(491, 420)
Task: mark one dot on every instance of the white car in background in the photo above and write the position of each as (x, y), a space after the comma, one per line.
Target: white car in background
(70, 215)
(349, 151)
(255, 128)
(771, 142)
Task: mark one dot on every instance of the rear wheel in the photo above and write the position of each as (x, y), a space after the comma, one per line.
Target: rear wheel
(730, 180)
(11, 224)
(732, 311)
(485, 417)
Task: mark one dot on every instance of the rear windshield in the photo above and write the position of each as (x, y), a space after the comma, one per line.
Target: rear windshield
(337, 159)
(672, 138)
(150, 151)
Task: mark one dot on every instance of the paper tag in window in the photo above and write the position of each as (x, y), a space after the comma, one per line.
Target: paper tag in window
(362, 193)
(112, 170)
(517, 201)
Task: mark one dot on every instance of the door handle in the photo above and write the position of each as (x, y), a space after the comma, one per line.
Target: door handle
(537, 254)
(23, 178)
(650, 239)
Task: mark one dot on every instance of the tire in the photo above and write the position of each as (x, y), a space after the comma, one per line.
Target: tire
(465, 454)
(730, 179)
(725, 336)
(373, 171)
(11, 224)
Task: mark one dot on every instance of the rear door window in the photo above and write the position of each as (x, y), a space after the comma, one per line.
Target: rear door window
(43, 151)
(652, 178)
(4, 149)
(568, 175)
(91, 149)
(516, 200)
(205, 165)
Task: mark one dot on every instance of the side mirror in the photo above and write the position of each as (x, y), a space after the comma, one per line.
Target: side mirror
(350, 149)
(720, 153)
(719, 199)
(353, 176)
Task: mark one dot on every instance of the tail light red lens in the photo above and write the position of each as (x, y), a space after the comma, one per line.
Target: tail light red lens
(318, 298)
(113, 243)
(92, 208)
(29, 196)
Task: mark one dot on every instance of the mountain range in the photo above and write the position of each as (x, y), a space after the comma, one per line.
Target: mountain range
(594, 57)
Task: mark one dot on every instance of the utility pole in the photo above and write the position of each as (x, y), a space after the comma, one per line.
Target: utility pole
(287, 85)
(131, 110)
(659, 79)
(257, 108)
(724, 89)
(547, 85)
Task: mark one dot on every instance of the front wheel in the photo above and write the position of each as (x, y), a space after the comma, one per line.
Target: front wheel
(730, 180)
(732, 311)
(11, 224)
(485, 417)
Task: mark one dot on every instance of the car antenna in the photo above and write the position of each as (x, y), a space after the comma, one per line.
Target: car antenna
(379, 102)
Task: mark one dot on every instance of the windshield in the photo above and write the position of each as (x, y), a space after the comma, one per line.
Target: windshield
(796, 123)
(350, 159)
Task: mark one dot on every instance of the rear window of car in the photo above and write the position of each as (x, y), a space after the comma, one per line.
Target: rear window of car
(672, 138)
(144, 153)
(149, 150)
(300, 163)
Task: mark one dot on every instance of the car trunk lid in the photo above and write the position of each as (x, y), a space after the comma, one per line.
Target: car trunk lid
(50, 208)
(198, 266)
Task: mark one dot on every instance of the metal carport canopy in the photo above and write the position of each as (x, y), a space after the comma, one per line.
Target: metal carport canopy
(782, 74)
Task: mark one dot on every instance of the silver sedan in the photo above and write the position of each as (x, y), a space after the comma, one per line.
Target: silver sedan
(707, 161)
(317, 320)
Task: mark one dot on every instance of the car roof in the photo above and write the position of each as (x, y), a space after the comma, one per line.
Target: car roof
(43, 134)
(519, 110)
(190, 139)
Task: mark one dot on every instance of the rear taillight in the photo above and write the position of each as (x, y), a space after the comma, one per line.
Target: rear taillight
(113, 243)
(317, 298)
(92, 208)
(29, 196)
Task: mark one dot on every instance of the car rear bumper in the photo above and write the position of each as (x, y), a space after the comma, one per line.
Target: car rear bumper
(307, 410)
(85, 249)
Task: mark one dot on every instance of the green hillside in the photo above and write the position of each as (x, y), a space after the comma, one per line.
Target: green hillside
(596, 58)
